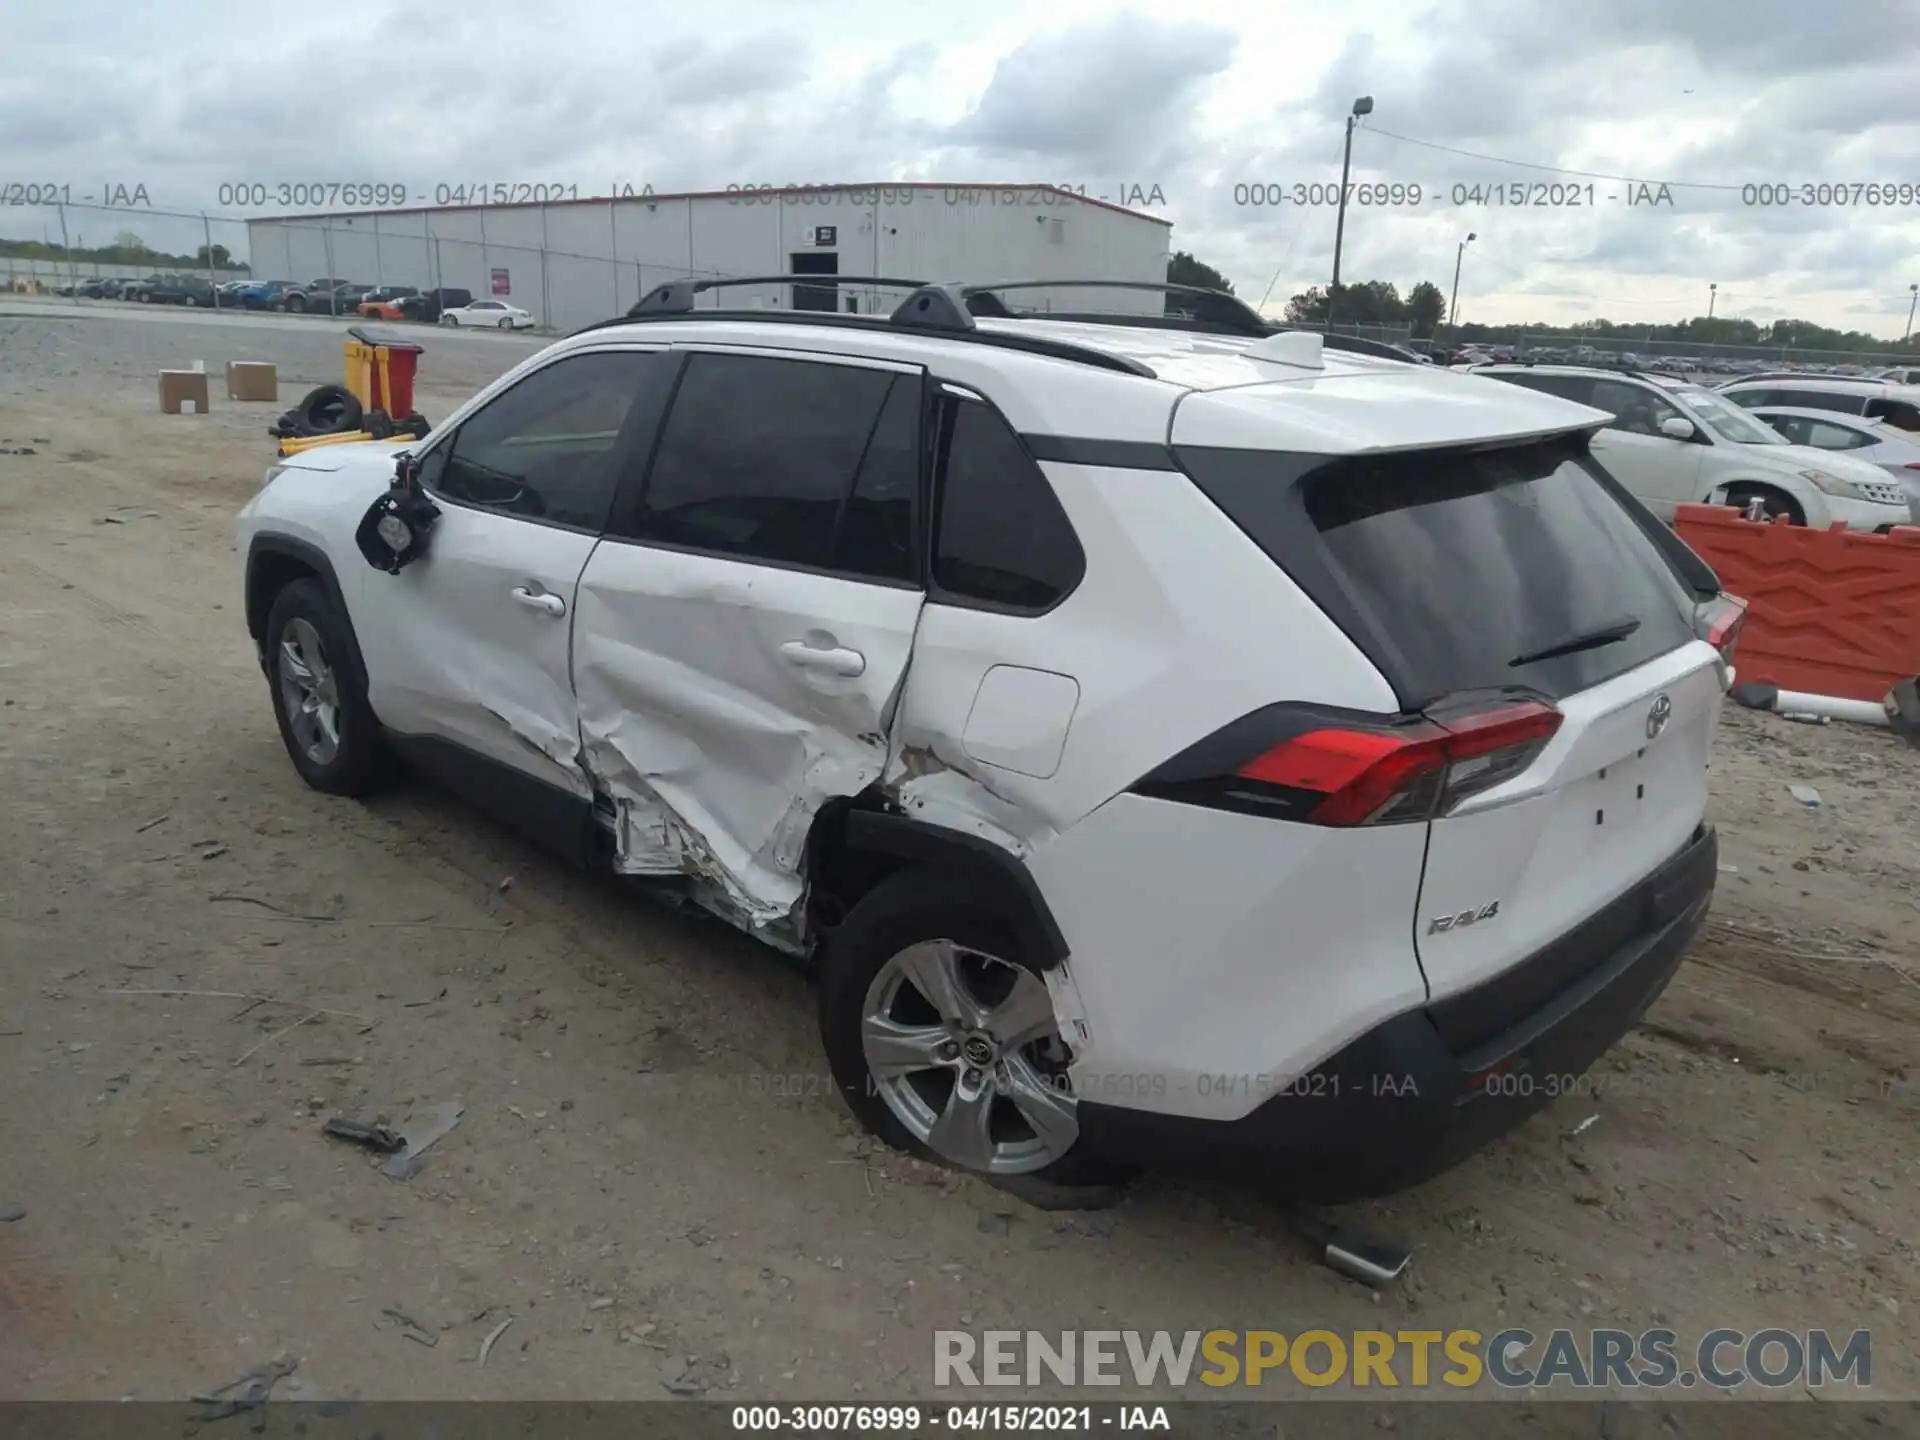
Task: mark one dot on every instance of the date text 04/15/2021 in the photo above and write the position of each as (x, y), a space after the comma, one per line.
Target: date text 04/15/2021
(1414, 195)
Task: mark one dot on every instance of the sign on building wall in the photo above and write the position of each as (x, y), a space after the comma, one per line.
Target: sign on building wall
(500, 285)
(826, 235)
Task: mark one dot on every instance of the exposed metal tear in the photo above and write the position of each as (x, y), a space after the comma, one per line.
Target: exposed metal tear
(661, 828)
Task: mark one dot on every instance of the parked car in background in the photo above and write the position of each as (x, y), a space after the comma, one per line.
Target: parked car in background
(1900, 375)
(384, 302)
(1895, 451)
(429, 305)
(111, 287)
(326, 295)
(136, 289)
(1897, 405)
(180, 290)
(260, 294)
(490, 314)
(1672, 442)
(227, 291)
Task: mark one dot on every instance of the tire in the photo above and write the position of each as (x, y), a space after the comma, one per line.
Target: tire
(296, 305)
(938, 917)
(1778, 502)
(356, 762)
(328, 410)
(450, 320)
(507, 324)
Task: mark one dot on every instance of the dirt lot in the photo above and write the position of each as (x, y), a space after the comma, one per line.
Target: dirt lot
(651, 1175)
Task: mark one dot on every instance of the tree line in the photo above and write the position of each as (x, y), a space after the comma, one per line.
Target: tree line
(1423, 309)
(127, 249)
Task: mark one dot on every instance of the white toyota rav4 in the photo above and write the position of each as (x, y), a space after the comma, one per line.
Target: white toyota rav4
(1173, 742)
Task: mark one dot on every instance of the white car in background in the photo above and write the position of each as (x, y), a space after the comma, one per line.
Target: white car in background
(1874, 441)
(1895, 405)
(1672, 442)
(490, 314)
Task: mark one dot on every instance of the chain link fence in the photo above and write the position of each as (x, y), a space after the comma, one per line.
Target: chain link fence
(1785, 357)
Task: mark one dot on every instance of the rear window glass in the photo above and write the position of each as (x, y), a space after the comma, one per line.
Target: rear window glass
(1446, 567)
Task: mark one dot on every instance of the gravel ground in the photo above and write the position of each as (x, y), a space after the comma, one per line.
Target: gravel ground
(652, 1177)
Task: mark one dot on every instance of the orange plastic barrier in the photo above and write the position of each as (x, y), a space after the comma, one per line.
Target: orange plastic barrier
(1830, 612)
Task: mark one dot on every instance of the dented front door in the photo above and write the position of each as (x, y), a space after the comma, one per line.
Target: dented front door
(472, 646)
(743, 630)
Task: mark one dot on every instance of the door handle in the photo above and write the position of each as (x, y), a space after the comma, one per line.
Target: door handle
(835, 660)
(540, 600)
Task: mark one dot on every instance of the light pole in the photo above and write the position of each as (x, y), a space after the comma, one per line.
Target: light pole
(1713, 293)
(1362, 106)
(1913, 290)
(1453, 305)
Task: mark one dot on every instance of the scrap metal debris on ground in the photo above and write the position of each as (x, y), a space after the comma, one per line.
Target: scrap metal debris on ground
(247, 1392)
(374, 1137)
(423, 1130)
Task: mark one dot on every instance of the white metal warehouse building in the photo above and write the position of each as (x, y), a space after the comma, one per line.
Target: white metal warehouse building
(572, 262)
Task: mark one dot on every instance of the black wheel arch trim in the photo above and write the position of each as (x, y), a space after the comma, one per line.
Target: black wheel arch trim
(878, 832)
(313, 558)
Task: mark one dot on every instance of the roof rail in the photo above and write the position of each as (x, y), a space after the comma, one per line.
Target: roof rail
(1216, 307)
(675, 297)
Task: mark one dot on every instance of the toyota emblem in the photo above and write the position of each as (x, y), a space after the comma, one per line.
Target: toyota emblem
(1658, 716)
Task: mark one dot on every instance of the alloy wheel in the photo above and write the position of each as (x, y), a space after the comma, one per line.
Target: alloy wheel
(964, 1048)
(309, 692)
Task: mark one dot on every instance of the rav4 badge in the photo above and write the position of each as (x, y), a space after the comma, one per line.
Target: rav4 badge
(1463, 919)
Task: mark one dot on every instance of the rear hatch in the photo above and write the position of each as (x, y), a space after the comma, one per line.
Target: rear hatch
(1517, 602)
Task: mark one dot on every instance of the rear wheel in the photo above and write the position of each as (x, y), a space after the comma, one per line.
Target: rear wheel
(1775, 502)
(942, 1038)
(450, 320)
(321, 705)
(507, 324)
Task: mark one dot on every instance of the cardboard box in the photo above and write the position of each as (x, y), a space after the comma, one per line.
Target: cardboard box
(179, 386)
(252, 380)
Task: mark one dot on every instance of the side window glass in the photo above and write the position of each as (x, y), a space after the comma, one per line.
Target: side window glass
(1834, 437)
(1630, 406)
(1900, 414)
(1818, 400)
(759, 457)
(545, 449)
(1790, 427)
(1002, 537)
(875, 535)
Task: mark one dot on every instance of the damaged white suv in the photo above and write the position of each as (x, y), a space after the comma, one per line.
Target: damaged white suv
(1173, 742)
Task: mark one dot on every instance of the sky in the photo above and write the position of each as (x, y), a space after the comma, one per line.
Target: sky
(1205, 109)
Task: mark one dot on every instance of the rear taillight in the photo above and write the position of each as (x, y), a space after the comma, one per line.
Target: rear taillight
(1347, 774)
(1718, 622)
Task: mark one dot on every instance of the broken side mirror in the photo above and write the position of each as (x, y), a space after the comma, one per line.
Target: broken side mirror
(394, 531)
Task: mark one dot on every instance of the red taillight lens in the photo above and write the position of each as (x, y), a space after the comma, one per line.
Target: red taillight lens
(1412, 772)
(1719, 621)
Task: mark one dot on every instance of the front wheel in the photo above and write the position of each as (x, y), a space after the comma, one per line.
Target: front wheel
(1774, 503)
(319, 701)
(507, 324)
(450, 320)
(942, 1038)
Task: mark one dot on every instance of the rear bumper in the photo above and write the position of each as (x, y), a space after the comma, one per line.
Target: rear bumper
(1404, 1101)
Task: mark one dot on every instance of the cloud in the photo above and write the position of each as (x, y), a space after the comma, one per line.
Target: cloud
(1201, 98)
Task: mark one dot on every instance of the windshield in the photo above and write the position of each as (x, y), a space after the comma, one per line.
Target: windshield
(1728, 421)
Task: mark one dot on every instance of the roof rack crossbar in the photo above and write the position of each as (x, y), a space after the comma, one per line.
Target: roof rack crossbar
(1220, 308)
